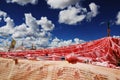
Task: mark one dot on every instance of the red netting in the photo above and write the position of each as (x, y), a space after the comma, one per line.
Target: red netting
(102, 50)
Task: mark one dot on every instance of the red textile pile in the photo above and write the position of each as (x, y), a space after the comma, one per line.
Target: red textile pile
(102, 50)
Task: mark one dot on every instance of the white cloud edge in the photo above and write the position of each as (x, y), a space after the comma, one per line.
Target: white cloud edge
(23, 2)
(115, 36)
(118, 18)
(56, 42)
(61, 4)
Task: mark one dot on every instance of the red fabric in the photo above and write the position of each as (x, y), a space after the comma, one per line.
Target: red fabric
(101, 50)
(105, 49)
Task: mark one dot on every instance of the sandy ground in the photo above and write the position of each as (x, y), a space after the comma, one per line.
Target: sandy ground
(54, 70)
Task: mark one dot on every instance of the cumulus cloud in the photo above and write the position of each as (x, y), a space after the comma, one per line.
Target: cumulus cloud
(58, 42)
(118, 18)
(8, 28)
(33, 31)
(61, 4)
(41, 42)
(20, 31)
(74, 15)
(71, 12)
(78, 41)
(2, 15)
(70, 16)
(94, 11)
(46, 24)
(22, 2)
(31, 22)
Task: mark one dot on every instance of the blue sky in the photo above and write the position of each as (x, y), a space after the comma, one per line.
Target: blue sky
(59, 21)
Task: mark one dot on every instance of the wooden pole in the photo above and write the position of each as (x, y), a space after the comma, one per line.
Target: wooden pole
(108, 29)
(16, 61)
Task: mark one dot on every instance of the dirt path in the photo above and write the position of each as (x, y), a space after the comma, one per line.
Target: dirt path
(54, 70)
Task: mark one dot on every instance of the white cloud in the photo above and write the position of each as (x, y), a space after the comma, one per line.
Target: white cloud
(22, 2)
(38, 42)
(70, 16)
(116, 36)
(58, 42)
(46, 24)
(33, 31)
(54, 42)
(20, 31)
(94, 11)
(8, 28)
(42, 42)
(74, 15)
(77, 41)
(118, 18)
(31, 22)
(29, 32)
(9, 22)
(21, 27)
(2, 14)
(61, 4)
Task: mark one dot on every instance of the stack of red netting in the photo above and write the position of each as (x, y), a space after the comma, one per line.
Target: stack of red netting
(105, 51)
